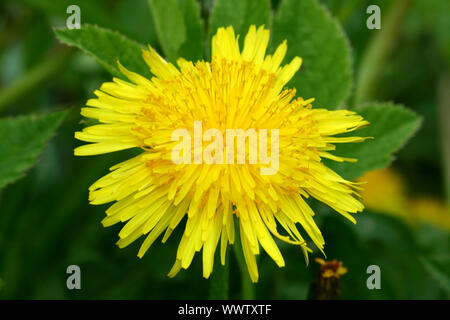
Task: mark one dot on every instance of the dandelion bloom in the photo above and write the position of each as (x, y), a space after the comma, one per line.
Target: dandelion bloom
(237, 89)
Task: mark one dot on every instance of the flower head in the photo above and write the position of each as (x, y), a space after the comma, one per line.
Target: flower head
(331, 269)
(327, 286)
(238, 89)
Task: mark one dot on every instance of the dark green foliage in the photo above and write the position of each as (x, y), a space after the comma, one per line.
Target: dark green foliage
(23, 138)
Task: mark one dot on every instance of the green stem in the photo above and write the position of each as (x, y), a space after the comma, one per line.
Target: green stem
(444, 116)
(378, 49)
(219, 283)
(248, 289)
(30, 80)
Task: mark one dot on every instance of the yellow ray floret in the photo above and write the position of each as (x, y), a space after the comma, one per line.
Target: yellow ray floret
(244, 89)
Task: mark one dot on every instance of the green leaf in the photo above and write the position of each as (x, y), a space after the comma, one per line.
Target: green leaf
(170, 26)
(2, 283)
(390, 125)
(317, 38)
(438, 268)
(91, 11)
(23, 139)
(143, 27)
(107, 47)
(192, 48)
(240, 14)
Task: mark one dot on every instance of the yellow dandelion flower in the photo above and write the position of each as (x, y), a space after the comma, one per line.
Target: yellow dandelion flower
(236, 90)
(385, 191)
(428, 209)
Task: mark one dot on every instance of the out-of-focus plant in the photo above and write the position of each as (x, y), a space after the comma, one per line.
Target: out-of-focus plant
(387, 192)
(46, 224)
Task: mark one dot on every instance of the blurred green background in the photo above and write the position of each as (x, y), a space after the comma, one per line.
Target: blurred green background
(47, 224)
